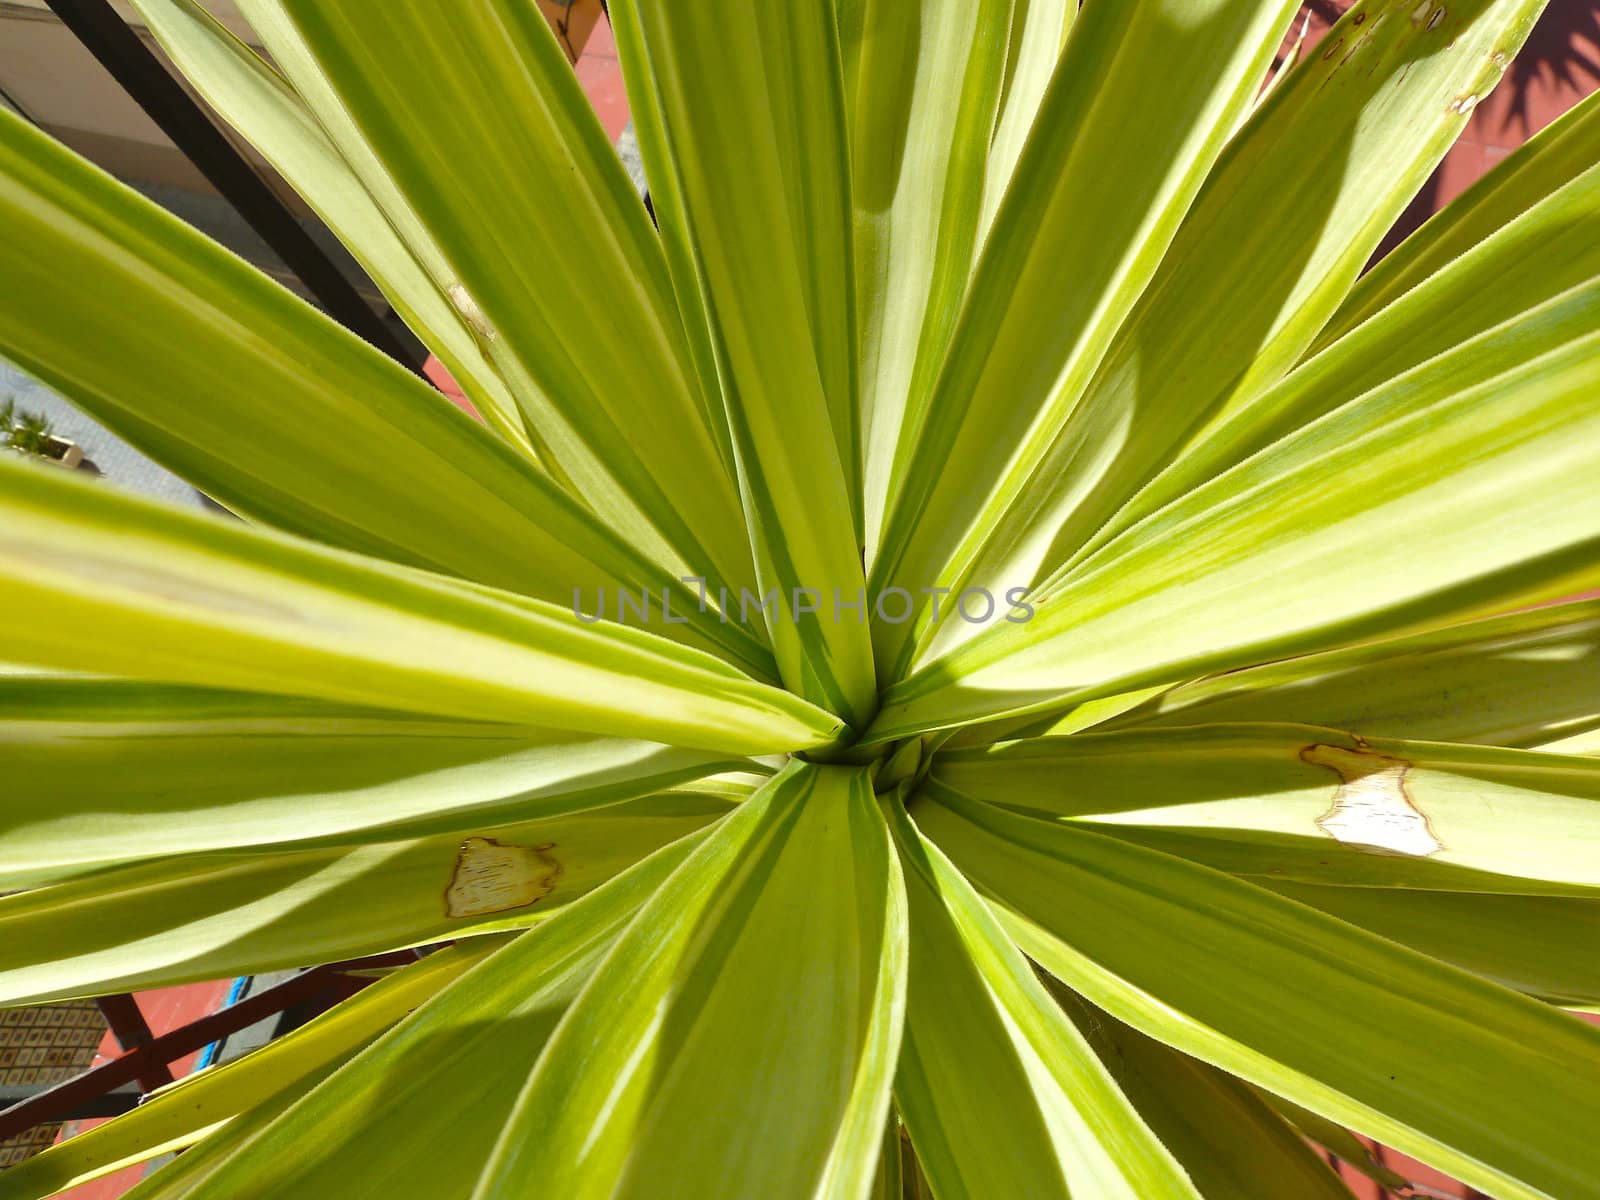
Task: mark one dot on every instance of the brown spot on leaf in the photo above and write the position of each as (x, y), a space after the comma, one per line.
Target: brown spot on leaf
(491, 877)
(464, 303)
(1372, 809)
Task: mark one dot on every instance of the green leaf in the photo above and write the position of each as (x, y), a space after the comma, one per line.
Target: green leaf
(996, 1086)
(189, 769)
(1538, 168)
(152, 592)
(1337, 1140)
(255, 101)
(1233, 1146)
(1408, 508)
(1540, 945)
(209, 916)
(1288, 58)
(1468, 1077)
(1315, 805)
(377, 1128)
(740, 1038)
(1526, 679)
(266, 451)
(328, 439)
(1501, 305)
(913, 1181)
(186, 1174)
(672, 227)
(797, 131)
(1587, 742)
(1038, 30)
(925, 92)
(1085, 204)
(888, 1183)
(745, 107)
(1072, 718)
(1286, 221)
(197, 1106)
(555, 264)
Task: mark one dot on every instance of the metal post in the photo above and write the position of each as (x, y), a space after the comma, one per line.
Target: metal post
(133, 1032)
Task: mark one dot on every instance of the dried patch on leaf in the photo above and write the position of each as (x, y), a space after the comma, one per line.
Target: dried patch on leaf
(1372, 809)
(491, 877)
(462, 301)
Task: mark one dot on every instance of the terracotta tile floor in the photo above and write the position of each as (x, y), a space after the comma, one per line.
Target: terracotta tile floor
(164, 1010)
(41, 1046)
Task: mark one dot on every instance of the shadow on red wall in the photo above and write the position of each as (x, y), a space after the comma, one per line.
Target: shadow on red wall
(1559, 65)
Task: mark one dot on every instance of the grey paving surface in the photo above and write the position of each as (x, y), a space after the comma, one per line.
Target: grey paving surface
(119, 463)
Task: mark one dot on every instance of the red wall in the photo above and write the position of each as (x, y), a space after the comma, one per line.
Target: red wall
(1558, 67)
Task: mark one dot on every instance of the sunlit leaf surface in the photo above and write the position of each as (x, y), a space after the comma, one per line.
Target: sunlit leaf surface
(972, 653)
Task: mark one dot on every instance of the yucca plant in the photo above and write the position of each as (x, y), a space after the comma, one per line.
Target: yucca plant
(981, 658)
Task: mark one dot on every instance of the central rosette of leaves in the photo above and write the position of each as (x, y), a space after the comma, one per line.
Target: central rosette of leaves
(893, 763)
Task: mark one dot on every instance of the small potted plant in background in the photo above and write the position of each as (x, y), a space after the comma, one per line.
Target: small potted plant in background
(30, 433)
